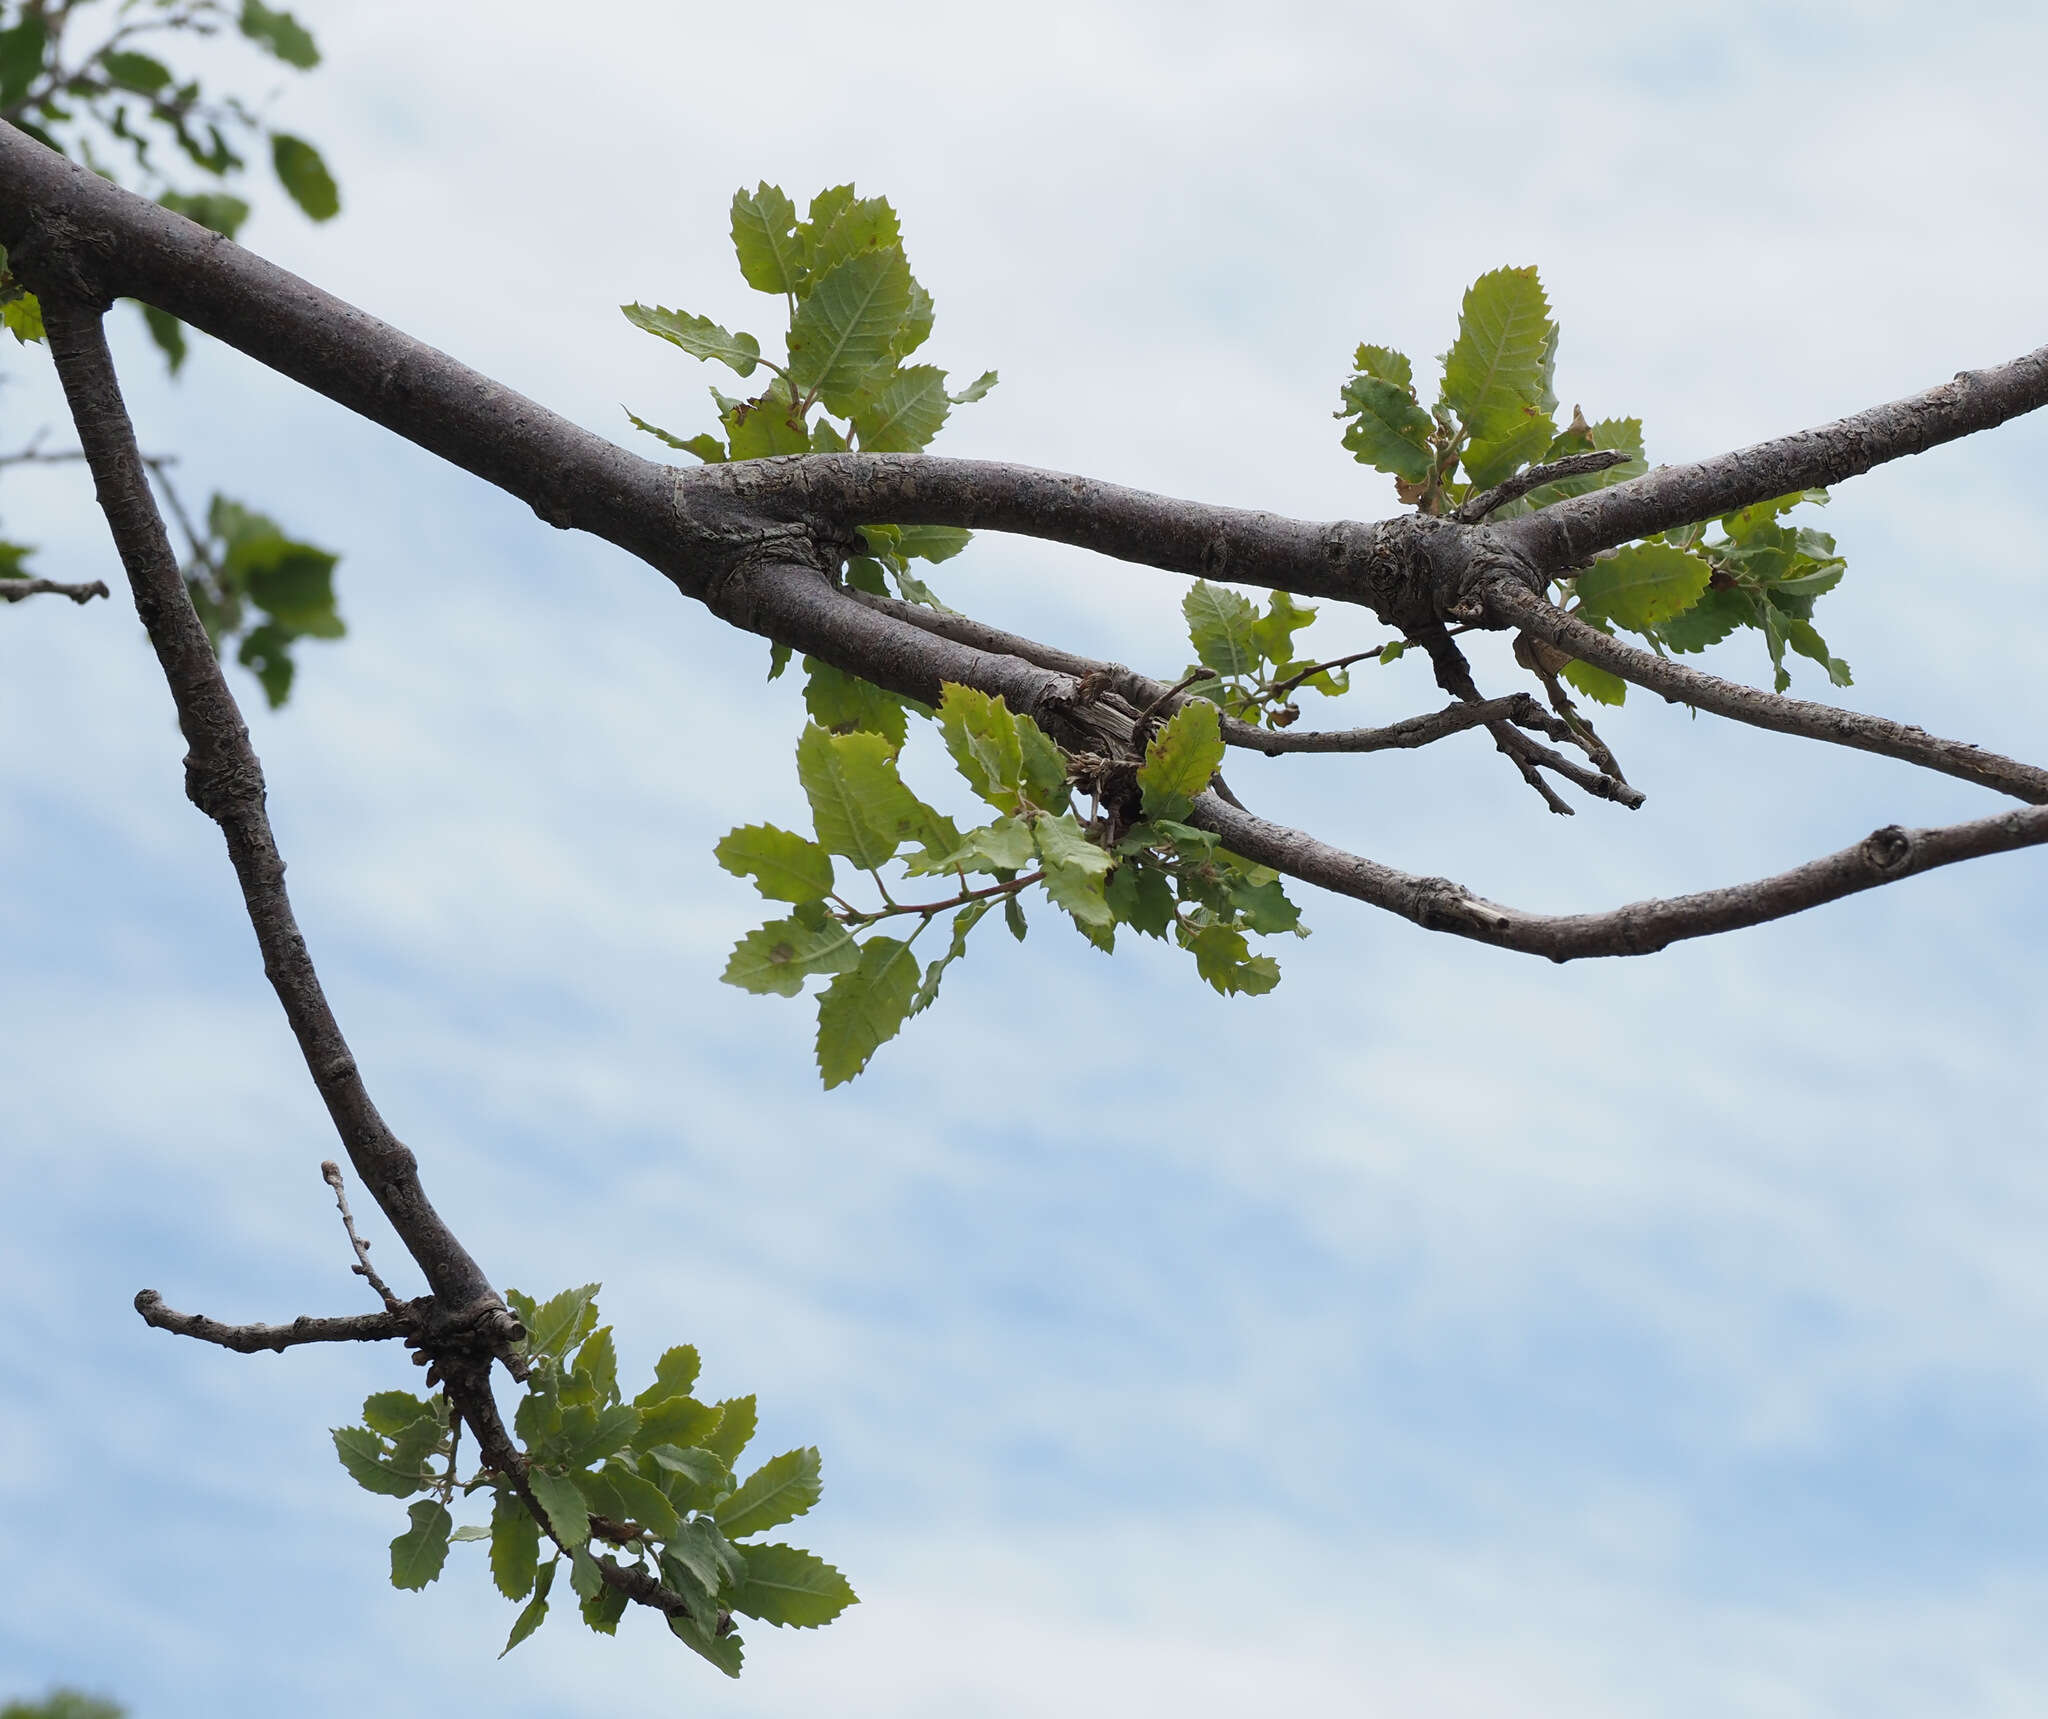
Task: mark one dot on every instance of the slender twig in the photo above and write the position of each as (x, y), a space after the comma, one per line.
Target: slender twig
(225, 780)
(1473, 509)
(858, 916)
(250, 1339)
(14, 590)
(1512, 605)
(331, 1173)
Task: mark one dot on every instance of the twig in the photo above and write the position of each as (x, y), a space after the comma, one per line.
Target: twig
(249, 1339)
(331, 1174)
(14, 590)
(1474, 508)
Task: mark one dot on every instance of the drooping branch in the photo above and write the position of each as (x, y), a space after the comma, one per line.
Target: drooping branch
(225, 780)
(14, 590)
(1568, 532)
(252, 1339)
(1512, 605)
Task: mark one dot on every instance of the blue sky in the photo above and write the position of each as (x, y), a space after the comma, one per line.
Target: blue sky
(1444, 1334)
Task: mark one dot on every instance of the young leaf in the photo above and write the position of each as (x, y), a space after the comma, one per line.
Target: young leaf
(784, 866)
(1517, 444)
(603, 1609)
(785, 1585)
(707, 448)
(1224, 959)
(845, 703)
(557, 1495)
(779, 1491)
(734, 1429)
(1140, 897)
(681, 1421)
(1595, 682)
(597, 1364)
(418, 1554)
(1075, 869)
(762, 428)
(641, 1500)
(931, 542)
(1182, 757)
(362, 1454)
(981, 733)
(906, 414)
(304, 176)
(842, 333)
(1709, 621)
(699, 336)
(1222, 626)
(1642, 585)
(562, 1321)
(1497, 365)
(1389, 431)
(535, 1612)
(764, 238)
(1386, 365)
(861, 1010)
(840, 225)
(391, 1412)
(975, 390)
(515, 1545)
(964, 921)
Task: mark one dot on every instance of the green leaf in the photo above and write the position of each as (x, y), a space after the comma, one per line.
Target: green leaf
(1045, 767)
(845, 703)
(391, 1412)
(931, 542)
(842, 333)
(562, 1321)
(1595, 682)
(1517, 444)
(1224, 959)
(1384, 364)
(280, 33)
(362, 1454)
(784, 866)
(1499, 363)
(861, 1010)
(1182, 757)
(779, 1491)
(1222, 626)
(1389, 431)
(558, 1496)
(1641, 585)
(723, 1651)
(1141, 897)
(964, 921)
(859, 804)
(598, 1363)
(603, 1609)
(1075, 869)
(707, 448)
(785, 1585)
(535, 1613)
(908, 411)
(976, 390)
(916, 327)
(840, 225)
(470, 1531)
(1263, 905)
(23, 318)
(696, 1478)
(1709, 621)
(585, 1578)
(643, 1501)
(612, 1429)
(980, 732)
(734, 1429)
(674, 1376)
(1619, 435)
(21, 57)
(1273, 634)
(1013, 917)
(764, 238)
(216, 211)
(679, 1421)
(515, 1545)
(418, 1554)
(699, 336)
(304, 176)
(135, 72)
(1749, 520)
(765, 427)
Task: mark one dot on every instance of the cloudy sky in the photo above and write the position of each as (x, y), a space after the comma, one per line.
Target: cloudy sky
(1445, 1334)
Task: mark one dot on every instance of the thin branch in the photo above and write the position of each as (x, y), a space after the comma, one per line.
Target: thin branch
(330, 1172)
(225, 780)
(1642, 927)
(1473, 509)
(14, 590)
(1568, 532)
(1512, 605)
(250, 1339)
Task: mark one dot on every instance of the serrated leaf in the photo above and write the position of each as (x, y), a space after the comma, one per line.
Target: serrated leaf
(585, 1578)
(843, 332)
(1222, 626)
(845, 703)
(707, 448)
(279, 33)
(699, 336)
(916, 327)
(1497, 365)
(418, 1554)
(1273, 635)
(735, 1428)
(977, 389)
(681, 1421)
(858, 802)
(1618, 435)
(515, 1545)
(613, 1429)
(362, 1454)
(598, 1363)
(964, 921)
(908, 411)
(1224, 959)
(23, 318)
(763, 428)
(1075, 869)
(304, 176)
(764, 239)
(931, 542)
(535, 1612)
(825, 437)
(557, 1494)
(562, 1321)
(1263, 906)
(779, 1491)
(723, 1651)
(468, 1532)
(1639, 586)
(1595, 682)
(642, 1501)
(980, 732)
(1520, 442)
(783, 865)
(786, 1585)
(1749, 520)
(391, 1412)
(695, 1478)
(1709, 621)
(603, 1609)
(1182, 757)
(1388, 430)
(1141, 898)
(862, 1010)
(840, 224)
(1384, 364)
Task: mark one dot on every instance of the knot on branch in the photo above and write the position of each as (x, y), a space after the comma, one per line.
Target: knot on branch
(1418, 572)
(1888, 849)
(224, 784)
(733, 534)
(57, 259)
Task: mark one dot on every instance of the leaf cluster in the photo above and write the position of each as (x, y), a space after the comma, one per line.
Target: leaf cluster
(1248, 662)
(1495, 416)
(254, 584)
(654, 1479)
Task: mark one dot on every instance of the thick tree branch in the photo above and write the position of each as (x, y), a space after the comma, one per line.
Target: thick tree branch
(14, 590)
(249, 1339)
(225, 780)
(1568, 532)
(1511, 605)
(1640, 928)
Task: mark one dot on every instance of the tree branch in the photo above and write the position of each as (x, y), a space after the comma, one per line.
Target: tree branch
(225, 780)
(14, 590)
(1568, 532)
(249, 1339)
(1511, 605)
